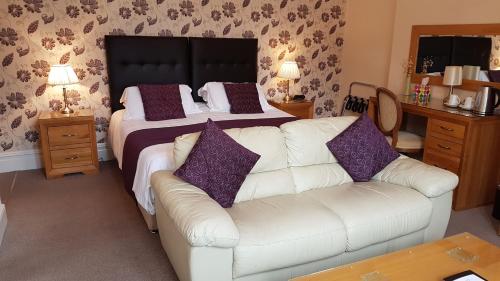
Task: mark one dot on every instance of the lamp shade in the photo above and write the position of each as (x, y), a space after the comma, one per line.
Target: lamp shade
(289, 70)
(62, 74)
(452, 76)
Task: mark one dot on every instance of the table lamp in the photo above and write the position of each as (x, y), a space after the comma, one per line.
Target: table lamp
(63, 75)
(288, 70)
(452, 77)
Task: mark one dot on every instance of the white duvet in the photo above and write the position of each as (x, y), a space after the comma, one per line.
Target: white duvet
(161, 156)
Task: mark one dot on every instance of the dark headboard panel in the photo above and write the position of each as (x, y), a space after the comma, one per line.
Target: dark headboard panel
(132, 60)
(222, 60)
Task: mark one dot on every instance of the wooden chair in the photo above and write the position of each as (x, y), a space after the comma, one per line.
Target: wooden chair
(389, 118)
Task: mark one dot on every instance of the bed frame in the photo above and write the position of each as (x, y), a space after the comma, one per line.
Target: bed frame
(133, 60)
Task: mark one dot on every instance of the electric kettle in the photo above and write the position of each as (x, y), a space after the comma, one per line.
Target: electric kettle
(485, 102)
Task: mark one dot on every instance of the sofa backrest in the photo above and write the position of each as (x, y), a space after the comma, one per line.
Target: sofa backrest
(310, 161)
(270, 175)
(294, 158)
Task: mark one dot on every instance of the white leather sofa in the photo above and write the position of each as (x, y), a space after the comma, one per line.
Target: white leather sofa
(298, 211)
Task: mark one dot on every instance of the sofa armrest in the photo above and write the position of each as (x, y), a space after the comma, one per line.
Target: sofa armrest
(201, 220)
(428, 180)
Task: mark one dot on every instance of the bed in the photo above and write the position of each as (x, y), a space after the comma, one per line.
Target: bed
(163, 60)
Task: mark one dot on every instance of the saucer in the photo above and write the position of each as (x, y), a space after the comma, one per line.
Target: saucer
(465, 108)
(451, 105)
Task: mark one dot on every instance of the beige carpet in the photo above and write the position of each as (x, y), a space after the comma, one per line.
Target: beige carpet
(77, 228)
(87, 228)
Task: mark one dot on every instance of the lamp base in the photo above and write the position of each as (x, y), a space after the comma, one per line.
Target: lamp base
(287, 98)
(67, 110)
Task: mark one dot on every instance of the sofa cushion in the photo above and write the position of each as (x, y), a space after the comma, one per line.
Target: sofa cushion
(362, 149)
(282, 231)
(319, 176)
(256, 185)
(374, 211)
(305, 139)
(266, 141)
(217, 164)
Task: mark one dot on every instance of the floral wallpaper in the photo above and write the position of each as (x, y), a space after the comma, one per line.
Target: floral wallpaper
(35, 34)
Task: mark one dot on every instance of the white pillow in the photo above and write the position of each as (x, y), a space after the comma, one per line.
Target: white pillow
(132, 101)
(134, 109)
(215, 96)
(187, 100)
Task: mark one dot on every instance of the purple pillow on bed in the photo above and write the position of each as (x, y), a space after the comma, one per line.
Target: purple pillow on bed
(161, 102)
(243, 98)
(217, 164)
(362, 150)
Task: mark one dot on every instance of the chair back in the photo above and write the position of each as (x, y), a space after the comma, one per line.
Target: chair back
(389, 113)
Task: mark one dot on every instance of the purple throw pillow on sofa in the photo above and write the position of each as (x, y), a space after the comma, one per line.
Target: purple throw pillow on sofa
(243, 98)
(362, 150)
(161, 102)
(217, 164)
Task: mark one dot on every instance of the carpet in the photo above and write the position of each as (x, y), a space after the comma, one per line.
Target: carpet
(78, 228)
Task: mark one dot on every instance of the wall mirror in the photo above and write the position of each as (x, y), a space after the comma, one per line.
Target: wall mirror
(476, 47)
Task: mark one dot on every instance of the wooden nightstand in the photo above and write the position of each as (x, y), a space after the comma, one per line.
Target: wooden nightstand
(301, 109)
(68, 143)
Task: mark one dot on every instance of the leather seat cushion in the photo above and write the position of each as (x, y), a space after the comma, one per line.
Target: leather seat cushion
(375, 211)
(407, 140)
(282, 231)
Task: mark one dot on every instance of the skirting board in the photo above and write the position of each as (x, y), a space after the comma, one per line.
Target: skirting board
(3, 221)
(32, 159)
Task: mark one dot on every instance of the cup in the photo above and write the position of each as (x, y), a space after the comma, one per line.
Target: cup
(467, 103)
(454, 100)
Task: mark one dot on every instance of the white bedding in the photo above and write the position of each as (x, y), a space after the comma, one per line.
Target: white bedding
(160, 156)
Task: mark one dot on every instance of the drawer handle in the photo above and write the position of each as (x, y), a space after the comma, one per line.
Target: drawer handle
(443, 146)
(69, 135)
(446, 128)
(74, 157)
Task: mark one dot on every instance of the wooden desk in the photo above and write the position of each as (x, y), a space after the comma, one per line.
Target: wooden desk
(431, 261)
(462, 143)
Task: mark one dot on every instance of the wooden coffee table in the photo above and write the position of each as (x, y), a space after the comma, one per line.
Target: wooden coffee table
(431, 261)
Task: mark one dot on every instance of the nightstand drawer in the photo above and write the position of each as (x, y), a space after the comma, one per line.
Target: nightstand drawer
(448, 129)
(65, 158)
(73, 134)
(443, 146)
(446, 162)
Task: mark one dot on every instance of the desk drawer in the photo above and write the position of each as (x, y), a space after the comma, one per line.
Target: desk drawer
(73, 134)
(446, 162)
(443, 146)
(447, 128)
(71, 157)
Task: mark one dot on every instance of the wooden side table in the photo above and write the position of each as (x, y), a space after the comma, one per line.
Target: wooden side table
(302, 109)
(68, 143)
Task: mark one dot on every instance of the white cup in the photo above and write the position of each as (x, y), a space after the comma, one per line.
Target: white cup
(454, 100)
(468, 103)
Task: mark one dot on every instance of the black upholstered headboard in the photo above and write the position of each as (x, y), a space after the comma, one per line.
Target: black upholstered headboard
(222, 60)
(133, 60)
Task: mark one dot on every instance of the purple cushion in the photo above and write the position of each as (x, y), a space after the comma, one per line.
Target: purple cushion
(217, 164)
(161, 102)
(243, 97)
(362, 150)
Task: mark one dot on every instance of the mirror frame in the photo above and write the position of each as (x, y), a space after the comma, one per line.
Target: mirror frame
(453, 29)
